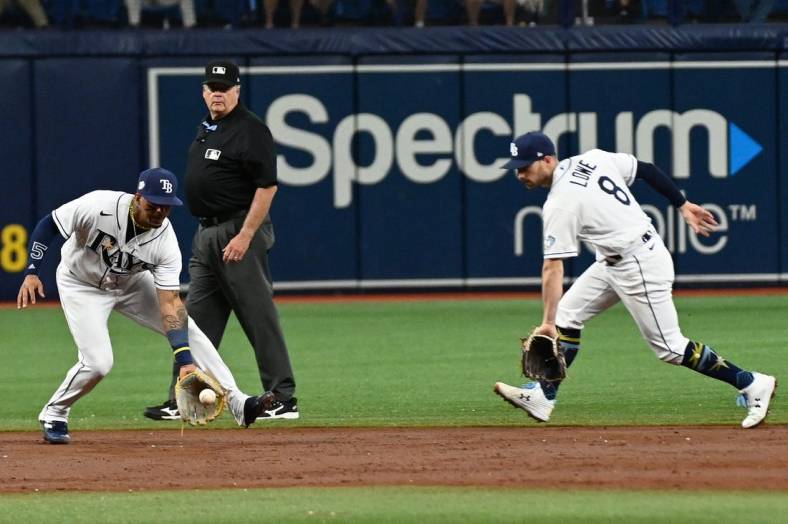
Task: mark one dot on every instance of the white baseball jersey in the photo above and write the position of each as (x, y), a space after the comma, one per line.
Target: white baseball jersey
(590, 200)
(96, 251)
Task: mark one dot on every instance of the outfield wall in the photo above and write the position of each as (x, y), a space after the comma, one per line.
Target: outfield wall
(389, 140)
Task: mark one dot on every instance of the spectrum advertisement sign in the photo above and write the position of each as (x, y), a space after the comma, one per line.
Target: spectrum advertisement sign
(389, 172)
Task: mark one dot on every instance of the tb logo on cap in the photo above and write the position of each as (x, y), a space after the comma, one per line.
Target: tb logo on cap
(219, 70)
(166, 185)
(513, 149)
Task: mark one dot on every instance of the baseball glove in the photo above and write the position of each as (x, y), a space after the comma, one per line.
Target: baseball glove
(541, 358)
(187, 396)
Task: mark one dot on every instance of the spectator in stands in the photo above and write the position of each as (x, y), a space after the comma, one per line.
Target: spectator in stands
(621, 8)
(324, 8)
(754, 11)
(135, 7)
(625, 10)
(33, 8)
(419, 11)
(473, 7)
(295, 12)
(532, 10)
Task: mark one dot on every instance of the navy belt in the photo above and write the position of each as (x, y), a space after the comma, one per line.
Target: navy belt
(612, 260)
(215, 221)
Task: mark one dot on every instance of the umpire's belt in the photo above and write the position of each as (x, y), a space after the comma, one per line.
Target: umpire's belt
(214, 221)
(615, 259)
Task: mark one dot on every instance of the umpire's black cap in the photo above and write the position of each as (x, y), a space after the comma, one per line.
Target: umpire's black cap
(528, 148)
(222, 72)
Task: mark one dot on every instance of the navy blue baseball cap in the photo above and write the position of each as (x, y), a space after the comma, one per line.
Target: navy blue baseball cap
(158, 186)
(528, 148)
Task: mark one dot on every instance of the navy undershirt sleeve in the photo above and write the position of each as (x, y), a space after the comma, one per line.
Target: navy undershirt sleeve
(661, 182)
(40, 239)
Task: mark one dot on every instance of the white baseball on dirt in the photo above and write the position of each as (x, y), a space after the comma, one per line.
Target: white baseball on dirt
(207, 397)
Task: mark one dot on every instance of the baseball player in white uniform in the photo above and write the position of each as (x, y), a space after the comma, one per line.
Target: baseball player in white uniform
(589, 200)
(121, 254)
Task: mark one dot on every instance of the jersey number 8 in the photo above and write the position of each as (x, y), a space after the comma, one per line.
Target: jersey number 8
(610, 187)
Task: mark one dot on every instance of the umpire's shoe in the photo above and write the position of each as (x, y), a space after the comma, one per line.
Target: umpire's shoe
(757, 397)
(55, 431)
(256, 406)
(281, 409)
(529, 398)
(166, 411)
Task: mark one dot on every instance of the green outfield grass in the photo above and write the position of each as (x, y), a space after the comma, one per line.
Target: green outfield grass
(410, 364)
(415, 363)
(417, 505)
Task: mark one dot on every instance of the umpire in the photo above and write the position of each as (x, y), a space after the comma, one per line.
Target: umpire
(230, 184)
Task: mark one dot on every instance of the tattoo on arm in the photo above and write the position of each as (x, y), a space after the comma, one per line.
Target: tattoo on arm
(176, 327)
(178, 320)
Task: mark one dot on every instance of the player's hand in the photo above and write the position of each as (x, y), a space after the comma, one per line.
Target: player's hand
(548, 330)
(235, 250)
(186, 369)
(699, 219)
(27, 292)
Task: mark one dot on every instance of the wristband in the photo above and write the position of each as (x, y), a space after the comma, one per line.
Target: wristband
(183, 356)
(179, 340)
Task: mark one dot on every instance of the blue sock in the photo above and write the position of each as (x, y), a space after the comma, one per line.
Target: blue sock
(701, 358)
(569, 344)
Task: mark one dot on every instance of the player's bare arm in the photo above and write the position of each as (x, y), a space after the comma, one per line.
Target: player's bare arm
(552, 290)
(239, 245)
(176, 322)
(173, 312)
(701, 220)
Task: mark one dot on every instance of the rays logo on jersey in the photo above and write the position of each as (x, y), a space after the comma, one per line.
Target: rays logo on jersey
(108, 243)
(117, 261)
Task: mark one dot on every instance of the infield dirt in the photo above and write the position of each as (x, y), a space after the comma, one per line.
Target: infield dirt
(682, 457)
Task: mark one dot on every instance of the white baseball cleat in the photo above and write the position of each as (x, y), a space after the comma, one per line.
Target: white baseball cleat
(757, 397)
(529, 398)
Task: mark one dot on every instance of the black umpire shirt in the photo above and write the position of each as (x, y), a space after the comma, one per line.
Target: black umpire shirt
(228, 161)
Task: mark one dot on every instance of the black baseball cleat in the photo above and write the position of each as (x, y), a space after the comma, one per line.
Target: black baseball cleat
(256, 406)
(166, 411)
(281, 409)
(55, 431)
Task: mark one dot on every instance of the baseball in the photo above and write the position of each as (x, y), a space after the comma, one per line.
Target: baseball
(207, 397)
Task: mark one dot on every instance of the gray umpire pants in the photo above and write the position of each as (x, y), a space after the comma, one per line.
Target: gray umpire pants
(245, 287)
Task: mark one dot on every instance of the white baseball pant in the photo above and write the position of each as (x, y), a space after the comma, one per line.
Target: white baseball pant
(87, 311)
(643, 281)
